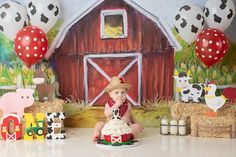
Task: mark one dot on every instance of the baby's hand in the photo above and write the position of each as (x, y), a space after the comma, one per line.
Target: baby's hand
(119, 102)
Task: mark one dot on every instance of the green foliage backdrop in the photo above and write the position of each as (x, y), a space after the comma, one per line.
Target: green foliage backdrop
(222, 73)
(10, 65)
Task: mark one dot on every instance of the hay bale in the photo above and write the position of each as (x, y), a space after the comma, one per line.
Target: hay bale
(214, 127)
(181, 110)
(43, 107)
(184, 110)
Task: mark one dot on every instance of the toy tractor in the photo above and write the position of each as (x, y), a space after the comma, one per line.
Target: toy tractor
(38, 130)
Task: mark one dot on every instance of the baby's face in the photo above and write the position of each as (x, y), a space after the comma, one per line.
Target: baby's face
(116, 93)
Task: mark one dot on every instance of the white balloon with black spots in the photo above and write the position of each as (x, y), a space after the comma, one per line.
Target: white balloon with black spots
(219, 13)
(13, 17)
(189, 22)
(43, 13)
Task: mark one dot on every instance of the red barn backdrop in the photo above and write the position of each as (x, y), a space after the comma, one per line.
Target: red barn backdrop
(144, 56)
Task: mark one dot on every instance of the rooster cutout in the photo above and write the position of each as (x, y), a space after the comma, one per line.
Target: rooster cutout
(213, 102)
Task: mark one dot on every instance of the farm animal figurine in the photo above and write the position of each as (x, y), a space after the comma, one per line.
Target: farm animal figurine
(116, 114)
(42, 87)
(188, 91)
(214, 102)
(117, 90)
(15, 102)
(230, 94)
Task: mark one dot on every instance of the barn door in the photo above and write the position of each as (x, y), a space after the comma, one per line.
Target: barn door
(99, 68)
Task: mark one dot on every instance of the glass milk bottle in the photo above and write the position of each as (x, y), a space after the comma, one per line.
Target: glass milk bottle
(164, 128)
(182, 127)
(173, 127)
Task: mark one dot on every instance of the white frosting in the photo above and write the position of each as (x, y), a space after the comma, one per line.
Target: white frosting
(116, 127)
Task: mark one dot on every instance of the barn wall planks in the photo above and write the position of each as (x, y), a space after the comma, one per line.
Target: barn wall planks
(144, 36)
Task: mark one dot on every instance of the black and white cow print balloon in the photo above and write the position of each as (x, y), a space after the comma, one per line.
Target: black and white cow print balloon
(13, 17)
(43, 13)
(189, 22)
(219, 13)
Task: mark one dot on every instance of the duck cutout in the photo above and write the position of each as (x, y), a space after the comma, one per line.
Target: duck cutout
(214, 102)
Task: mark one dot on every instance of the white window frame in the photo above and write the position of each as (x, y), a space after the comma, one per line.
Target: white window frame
(88, 60)
(113, 12)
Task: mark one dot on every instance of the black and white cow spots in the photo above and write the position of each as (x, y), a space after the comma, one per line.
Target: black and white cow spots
(230, 15)
(189, 21)
(5, 5)
(1, 28)
(177, 17)
(33, 11)
(183, 23)
(3, 15)
(188, 91)
(44, 18)
(206, 11)
(223, 4)
(217, 18)
(219, 13)
(13, 17)
(56, 12)
(194, 29)
(18, 17)
(43, 14)
(185, 7)
(55, 122)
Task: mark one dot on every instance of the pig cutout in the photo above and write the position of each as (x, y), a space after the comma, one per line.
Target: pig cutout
(15, 102)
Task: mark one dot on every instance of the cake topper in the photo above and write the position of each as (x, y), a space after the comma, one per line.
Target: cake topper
(115, 114)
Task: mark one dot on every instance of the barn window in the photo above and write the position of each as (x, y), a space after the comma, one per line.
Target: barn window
(114, 24)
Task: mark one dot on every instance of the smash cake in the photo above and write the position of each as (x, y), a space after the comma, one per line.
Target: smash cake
(116, 132)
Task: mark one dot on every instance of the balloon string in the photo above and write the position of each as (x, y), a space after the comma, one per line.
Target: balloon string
(207, 75)
(23, 80)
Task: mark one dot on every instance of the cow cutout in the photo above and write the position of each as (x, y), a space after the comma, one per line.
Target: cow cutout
(188, 91)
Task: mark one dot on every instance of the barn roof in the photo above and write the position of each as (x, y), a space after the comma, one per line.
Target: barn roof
(68, 24)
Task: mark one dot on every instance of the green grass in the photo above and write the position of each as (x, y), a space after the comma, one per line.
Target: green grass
(149, 115)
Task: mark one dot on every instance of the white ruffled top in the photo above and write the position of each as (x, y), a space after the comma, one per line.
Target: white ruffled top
(116, 127)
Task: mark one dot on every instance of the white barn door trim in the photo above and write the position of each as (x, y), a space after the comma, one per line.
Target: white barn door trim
(88, 59)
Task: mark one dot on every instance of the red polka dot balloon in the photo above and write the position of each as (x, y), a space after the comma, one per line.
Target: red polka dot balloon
(211, 46)
(30, 44)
